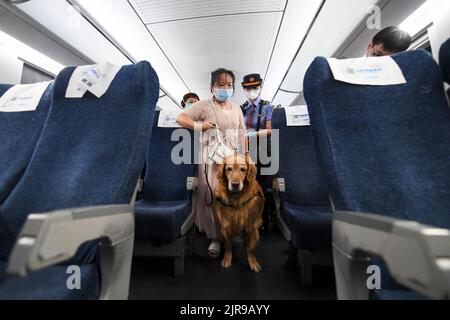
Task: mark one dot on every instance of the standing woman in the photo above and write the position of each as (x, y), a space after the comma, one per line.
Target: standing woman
(204, 116)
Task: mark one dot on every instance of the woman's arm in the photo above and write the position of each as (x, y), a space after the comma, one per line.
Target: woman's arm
(186, 122)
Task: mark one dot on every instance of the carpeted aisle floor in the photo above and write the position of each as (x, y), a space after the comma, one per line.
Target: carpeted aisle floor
(204, 279)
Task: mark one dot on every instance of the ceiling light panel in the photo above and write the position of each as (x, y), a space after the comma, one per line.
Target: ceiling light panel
(296, 21)
(330, 30)
(30, 55)
(196, 47)
(284, 98)
(157, 11)
(66, 23)
(135, 37)
(165, 103)
(423, 16)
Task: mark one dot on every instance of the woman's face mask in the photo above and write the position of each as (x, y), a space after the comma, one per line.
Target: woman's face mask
(188, 105)
(223, 95)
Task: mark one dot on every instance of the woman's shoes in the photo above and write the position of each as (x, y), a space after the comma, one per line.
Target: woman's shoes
(214, 249)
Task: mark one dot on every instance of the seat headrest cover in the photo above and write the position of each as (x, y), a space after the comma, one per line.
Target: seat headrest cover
(168, 119)
(375, 71)
(297, 116)
(23, 97)
(94, 78)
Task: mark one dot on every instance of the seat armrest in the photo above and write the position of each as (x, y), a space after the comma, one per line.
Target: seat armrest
(51, 238)
(140, 186)
(417, 255)
(192, 183)
(279, 185)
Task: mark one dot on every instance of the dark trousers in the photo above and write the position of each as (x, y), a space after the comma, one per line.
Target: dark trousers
(269, 206)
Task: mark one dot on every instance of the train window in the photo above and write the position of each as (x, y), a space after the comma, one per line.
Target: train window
(32, 74)
(421, 41)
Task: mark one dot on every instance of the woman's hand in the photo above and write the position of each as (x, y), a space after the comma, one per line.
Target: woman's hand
(207, 125)
(186, 122)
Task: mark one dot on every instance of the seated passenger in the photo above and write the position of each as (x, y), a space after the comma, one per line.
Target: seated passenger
(389, 41)
(217, 112)
(189, 99)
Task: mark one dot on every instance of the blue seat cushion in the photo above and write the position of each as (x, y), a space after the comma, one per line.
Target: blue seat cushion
(390, 289)
(49, 284)
(386, 294)
(87, 253)
(310, 226)
(160, 220)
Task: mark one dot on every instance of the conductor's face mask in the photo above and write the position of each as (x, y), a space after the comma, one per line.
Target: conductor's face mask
(253, 94)
(223, 95)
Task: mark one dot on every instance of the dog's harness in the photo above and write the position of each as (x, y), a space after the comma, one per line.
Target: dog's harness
(242, 204)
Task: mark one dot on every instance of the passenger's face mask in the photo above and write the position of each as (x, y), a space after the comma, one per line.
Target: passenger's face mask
(253, 94)
(188, 105)
(223, 95)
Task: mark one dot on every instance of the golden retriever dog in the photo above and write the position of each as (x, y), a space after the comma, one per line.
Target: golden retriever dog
(238, 206)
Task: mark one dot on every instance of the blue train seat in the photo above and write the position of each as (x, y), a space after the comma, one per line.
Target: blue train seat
(164, 214)
(23, 130)
(444, 60)
(82, 174)
(385, 153)
(305, 208)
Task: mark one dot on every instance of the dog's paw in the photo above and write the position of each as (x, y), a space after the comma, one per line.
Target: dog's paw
(226, 263)
(255, 266)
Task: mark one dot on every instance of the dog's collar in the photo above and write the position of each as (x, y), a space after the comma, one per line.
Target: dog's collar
(242, 204)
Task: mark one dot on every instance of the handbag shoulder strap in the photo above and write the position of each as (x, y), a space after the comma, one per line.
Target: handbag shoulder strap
(262, 105)
(219, 134)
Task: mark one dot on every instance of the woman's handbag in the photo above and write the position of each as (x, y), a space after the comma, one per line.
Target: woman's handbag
(218, 151)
